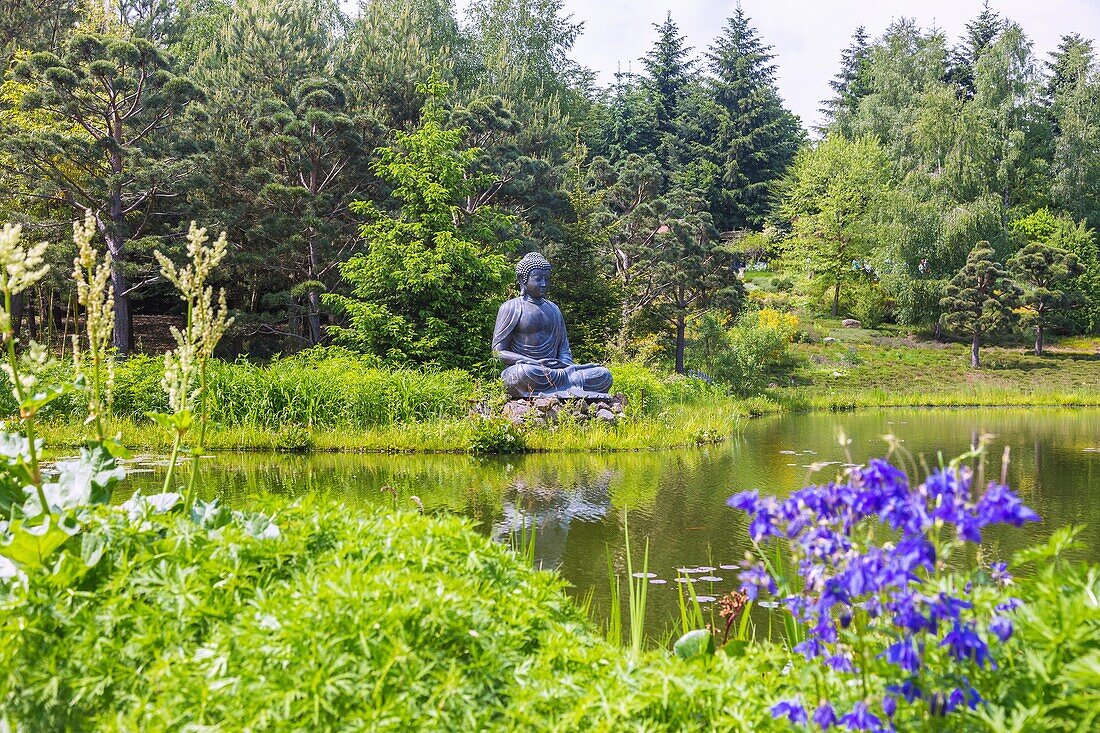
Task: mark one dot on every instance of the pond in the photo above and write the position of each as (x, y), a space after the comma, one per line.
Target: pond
(676, 499)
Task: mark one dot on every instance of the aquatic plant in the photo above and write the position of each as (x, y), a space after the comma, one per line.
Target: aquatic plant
(873, 595)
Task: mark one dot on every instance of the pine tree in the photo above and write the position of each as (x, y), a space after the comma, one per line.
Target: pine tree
(115, 92)
(979, 299)
(754, 139)
(1044, 270)
(849, 85)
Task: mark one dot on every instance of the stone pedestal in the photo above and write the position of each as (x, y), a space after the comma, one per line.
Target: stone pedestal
(546, 411)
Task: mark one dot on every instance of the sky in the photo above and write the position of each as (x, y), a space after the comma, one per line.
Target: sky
(807, 35)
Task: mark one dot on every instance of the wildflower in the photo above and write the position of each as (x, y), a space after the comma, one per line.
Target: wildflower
(1001, 627)
(889, 705)
(904, 654)
(964, 643)
(825, 716)
(999, 572)
(861, 718)
(1000, 504)
(755, 577)
(792, 710)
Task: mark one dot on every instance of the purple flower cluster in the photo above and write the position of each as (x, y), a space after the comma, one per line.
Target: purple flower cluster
(888, 586)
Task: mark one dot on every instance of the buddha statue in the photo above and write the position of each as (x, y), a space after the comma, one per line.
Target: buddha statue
(530, 339)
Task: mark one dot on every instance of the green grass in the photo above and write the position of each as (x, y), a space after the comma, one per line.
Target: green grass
(883, 371)
(676, 425)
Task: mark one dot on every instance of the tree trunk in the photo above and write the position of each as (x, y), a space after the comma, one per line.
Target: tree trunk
(312, 297)
(975, 363)
(1038, 340)
(17, 313)
(681, 327)
(836, 300)
(123, 336)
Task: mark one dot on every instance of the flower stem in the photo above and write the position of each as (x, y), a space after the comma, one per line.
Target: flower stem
(26, 416)
(172, 461)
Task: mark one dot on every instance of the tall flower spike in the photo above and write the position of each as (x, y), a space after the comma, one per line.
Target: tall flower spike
(95, 292)
(20, 267)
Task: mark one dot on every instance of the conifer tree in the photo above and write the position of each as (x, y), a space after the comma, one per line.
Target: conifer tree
(980, 35)
(115, 92)
(979, 299)
(754, 138)
(1045, 270)
(849, 85)
(668, 71)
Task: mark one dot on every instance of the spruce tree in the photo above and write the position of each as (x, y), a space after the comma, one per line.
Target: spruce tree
(668, 71)
(979, 299)
(849, 85)
(980, 35)
(753, 139)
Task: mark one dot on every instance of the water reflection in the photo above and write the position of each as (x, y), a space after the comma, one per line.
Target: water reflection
(676, 499)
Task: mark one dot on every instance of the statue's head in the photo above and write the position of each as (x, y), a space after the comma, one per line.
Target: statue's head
(533, 275)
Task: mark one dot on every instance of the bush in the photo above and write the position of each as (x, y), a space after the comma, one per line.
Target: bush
(756, 347)
(343, 620)
(649, 391)
(497, 435)
(871, 307)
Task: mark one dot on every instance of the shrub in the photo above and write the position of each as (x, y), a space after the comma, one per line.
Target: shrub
(497, 435)
(341, 620)
(756, 346)
(871, 307)
(649, 391)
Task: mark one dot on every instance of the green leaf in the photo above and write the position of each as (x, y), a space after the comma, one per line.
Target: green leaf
(694, 644)
(1062, 540)
(31, 542)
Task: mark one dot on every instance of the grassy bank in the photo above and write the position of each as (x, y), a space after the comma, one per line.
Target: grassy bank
(331, 400)
(866, 369)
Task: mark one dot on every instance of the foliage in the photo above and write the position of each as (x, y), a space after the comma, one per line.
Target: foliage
(497, 435)
(504, 648)
(113, 92)
(1043, 269)
(427, 288)
(746, 357)
(1050, 684)
(828, 198)
(872, 306)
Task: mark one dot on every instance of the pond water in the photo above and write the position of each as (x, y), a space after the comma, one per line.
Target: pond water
(676, 499)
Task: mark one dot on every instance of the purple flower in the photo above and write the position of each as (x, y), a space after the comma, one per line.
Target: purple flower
(999, 572)
(755, 577)
(1010, 605)
(1001, 627)
(792, 710)
(810, 648)
(840, 662)
(861, 718)
(889, 705)
(964, 643)
(1000, 504)
(745, 501)
(904, 654)
(825, 716)
(907, 690)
